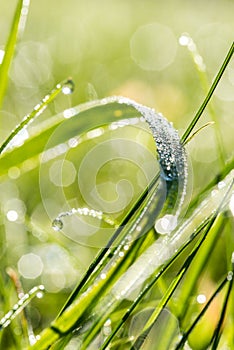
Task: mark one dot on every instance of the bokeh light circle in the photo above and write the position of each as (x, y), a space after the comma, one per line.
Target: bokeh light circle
(153, 46)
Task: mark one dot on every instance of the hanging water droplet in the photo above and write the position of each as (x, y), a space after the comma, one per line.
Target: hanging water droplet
(57, 224)
(68, 87)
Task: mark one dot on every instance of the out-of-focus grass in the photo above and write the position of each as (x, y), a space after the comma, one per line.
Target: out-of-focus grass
(109, 47)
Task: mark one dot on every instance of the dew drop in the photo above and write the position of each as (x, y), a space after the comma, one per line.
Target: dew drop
(166, 224)
(107, 327)
(201, 299)
(57, 224)
(68, 87)
(184, 39)
(103, 276)
(40, 293)
(230, 276)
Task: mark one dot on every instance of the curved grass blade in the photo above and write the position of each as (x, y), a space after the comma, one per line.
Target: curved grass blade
(10, 46)
(198, 131)
(173, 167)
(172, 160)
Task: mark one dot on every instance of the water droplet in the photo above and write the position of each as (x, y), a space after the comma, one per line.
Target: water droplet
(201, 298)
(40, 293)
(166, 224)
(107, 327)
(107, 323)
(68, 87)
(221, 185)
(230, 276)
(12, 215)
(184, 39)
(57, 224)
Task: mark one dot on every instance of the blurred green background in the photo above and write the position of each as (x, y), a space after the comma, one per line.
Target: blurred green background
(112, 47)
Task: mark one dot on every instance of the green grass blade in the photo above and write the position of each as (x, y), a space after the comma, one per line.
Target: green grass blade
(38, 109)
(201, 314)
(199, 264)
(202, 74)
(209, 95)
(218, 331)
(85, 117)
(10, 49)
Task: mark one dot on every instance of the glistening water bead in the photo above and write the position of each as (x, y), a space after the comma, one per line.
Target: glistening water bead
(68, 87)
(57, 224)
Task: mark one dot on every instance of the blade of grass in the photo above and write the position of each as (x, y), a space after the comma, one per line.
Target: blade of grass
(198, 266)
(209, 95)
(218, 331)
(201, 70)
(38, 109)
(198, 131)
(186, 334)
(10, 47)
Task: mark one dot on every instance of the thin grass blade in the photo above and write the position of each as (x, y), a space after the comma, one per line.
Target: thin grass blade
(16, 27)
